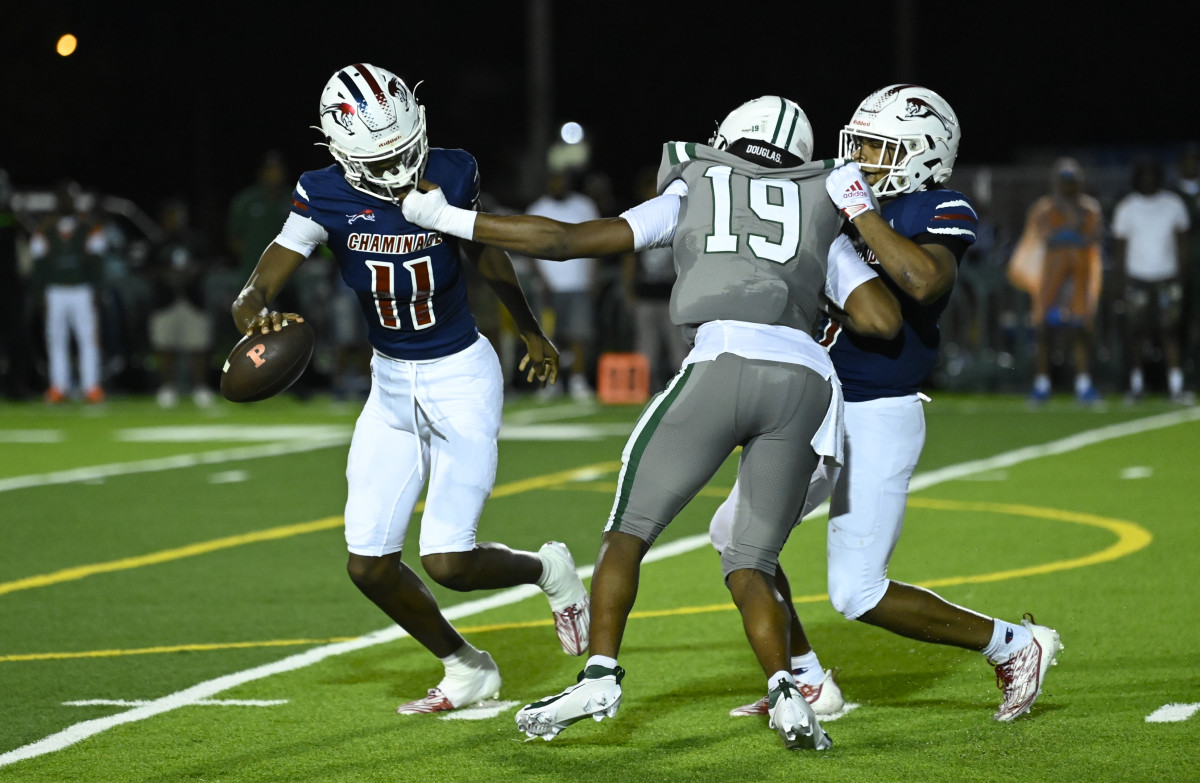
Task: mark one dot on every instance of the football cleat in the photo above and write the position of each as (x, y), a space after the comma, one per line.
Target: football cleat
(596, 694)
(825, 699)
(454, 692)
(1022, 675)
(794, 719)
(567, 595)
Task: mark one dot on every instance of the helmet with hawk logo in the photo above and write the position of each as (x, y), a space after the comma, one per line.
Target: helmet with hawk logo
(375, 129)
(918, 135)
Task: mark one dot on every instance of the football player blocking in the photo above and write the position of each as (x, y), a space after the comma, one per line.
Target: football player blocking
(905, 139)
(756, 209)
(436, 390)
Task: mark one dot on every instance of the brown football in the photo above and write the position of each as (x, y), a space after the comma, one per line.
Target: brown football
(263, 365)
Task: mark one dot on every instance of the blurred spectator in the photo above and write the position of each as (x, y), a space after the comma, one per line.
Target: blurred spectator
(67, 249)
(649, 275)
(258, 212)
(1188, 186)
(1150, 226)
(180, 329)
(569, 284)
(16, 365)
(1058, 257)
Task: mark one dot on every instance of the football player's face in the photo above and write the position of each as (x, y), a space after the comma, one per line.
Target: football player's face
(872, 153)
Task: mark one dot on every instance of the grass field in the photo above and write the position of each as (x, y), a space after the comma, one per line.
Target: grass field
(174, 607)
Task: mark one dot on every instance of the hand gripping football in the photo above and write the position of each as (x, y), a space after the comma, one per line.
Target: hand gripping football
(263, 365)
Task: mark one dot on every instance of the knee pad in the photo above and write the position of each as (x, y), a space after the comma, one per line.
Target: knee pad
(720, 529)
(854, 598)
(737, 556)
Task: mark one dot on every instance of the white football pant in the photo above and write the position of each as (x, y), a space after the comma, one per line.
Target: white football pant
(432, 421)
(884, 438)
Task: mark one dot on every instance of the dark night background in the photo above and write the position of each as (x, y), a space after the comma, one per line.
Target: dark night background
(169, 99)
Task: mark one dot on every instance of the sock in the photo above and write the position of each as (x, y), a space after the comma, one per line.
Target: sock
(775, 679)
(462, 661)
(1083, 382)
(601, 660)
(1006, 640)
(807, 669)
(1137, 382)
(1175, 380)
(1041, 383)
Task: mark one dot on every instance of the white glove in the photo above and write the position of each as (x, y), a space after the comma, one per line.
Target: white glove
(849, 190)
(430, 210)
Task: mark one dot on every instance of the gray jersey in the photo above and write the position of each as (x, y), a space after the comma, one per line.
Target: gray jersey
(751, 243)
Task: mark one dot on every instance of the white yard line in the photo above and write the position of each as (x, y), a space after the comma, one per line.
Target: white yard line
(206, 690)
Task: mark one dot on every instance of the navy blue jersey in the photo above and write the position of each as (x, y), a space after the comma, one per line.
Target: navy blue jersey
(870, 368)
(409, 281)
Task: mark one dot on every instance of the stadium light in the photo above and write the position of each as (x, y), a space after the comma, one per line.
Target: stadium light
(66, 45)
(571, 132)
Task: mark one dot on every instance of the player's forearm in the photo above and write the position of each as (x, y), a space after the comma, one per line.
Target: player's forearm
(911, 266)
(872, 311)
(527, 234)
(496, 268)
(273, 270)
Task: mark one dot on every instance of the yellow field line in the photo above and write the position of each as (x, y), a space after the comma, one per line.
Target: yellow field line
(275, 533)
(1131, 537)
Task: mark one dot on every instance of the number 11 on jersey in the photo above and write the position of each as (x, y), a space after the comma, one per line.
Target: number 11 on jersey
(420, 305)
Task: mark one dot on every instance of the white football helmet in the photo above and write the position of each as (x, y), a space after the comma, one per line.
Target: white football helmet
(916, 126)
(771, 119)
(375, 129)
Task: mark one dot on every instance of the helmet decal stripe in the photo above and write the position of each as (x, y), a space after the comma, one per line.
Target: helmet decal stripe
(792, 130)
(369, 78)
(779, 122)
(353, 88)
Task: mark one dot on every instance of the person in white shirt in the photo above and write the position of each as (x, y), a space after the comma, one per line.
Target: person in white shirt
(569, 286)
(1150, 226)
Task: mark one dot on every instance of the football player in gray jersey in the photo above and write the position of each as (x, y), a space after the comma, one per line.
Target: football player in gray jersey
(758, 252)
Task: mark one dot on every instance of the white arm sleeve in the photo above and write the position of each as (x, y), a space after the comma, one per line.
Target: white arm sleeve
(301, 234)
(653, 222)
(846, 272)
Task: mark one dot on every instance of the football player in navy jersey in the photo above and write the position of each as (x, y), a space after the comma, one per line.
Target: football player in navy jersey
(433, 414)
(905, 139)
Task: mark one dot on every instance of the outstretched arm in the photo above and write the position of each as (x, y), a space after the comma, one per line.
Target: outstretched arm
(527, 234)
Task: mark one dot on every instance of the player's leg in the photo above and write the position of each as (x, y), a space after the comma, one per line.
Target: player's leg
(884, 439)
(866, 518)
(462, 396)
(786, 413)
(680, 440)
(385, 472)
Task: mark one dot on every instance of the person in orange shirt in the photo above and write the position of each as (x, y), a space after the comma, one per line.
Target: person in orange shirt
(1061, 246)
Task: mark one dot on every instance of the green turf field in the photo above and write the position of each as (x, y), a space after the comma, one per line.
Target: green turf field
(174, 607)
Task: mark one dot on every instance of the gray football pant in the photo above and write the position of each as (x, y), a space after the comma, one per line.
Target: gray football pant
(770, 409)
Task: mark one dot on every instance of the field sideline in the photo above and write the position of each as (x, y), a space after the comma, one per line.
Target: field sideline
(50, 590)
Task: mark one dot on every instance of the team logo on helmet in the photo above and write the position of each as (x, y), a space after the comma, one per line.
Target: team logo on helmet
(342, 114)
(398, 91)
(915, 108)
